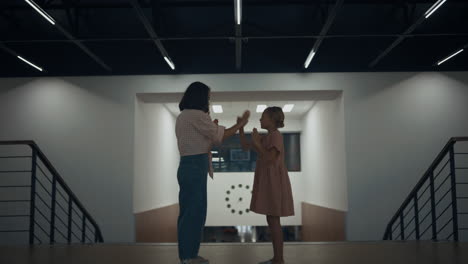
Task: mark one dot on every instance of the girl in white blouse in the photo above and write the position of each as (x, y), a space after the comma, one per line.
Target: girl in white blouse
(196, 133)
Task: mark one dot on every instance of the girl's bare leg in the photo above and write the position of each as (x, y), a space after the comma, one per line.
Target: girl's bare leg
(277, 236)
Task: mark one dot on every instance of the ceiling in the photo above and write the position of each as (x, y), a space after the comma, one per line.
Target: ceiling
(117, 37)
(233, 109)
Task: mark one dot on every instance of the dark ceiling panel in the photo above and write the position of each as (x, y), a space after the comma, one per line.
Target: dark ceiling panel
(199, 36)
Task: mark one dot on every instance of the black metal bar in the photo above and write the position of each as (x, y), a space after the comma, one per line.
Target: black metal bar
(402, 228)
(440, 171)
(52, 211)
(425, 217)
(40, 227)
(416, 214)
(60, 232)
(462, 183)
(14, 201)
(433, 208)
(70, 207)
(427, 188)
(83, 229)
(32, 203)
(45, 217)
(43, 187)
(461, 168)
(425, 230)
(424, 205)
(14, 231)
(446, 193)
(427, 174)
(40, 241)
(454, 194)
(16, 186)
(42, 200)
(43, 173)
(440, 185)
(15, 215)
(446, 224)
(14, 157)
(15, 171)
(449, 236)
(443, 212)
(409, 211)
(75, 236)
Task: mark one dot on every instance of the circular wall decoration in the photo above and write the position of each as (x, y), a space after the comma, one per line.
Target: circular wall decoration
(237, 199)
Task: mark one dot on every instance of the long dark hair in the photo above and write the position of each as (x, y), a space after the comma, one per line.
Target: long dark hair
(196, 97)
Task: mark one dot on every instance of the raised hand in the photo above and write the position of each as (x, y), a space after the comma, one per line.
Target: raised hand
(255, 136)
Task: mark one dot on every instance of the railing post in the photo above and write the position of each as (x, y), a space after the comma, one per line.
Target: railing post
(402, 227)
(96, 235)
(433, 212)
(83, 230)
(416, 215)
(52, 211)
(454, 193)
(69, 235)
(32, 199)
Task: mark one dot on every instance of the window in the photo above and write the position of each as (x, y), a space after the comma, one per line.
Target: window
(229, 157)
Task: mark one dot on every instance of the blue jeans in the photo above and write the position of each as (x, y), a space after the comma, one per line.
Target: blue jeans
(192, 178)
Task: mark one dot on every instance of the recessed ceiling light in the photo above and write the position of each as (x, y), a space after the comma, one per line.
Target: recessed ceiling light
(217, 108)
(261, 108)
(288, 108)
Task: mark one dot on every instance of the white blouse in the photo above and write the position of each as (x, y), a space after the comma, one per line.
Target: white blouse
(196, 133)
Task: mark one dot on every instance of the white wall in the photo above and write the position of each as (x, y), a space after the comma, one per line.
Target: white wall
(86, 135)
(218, 213)
(323, 156)
(156, 158)
(395, 124)
(156, 162)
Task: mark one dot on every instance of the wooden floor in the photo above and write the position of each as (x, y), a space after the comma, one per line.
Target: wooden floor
(295, 253)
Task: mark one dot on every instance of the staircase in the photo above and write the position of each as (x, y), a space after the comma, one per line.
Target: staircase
(437, 207)
(36, 205)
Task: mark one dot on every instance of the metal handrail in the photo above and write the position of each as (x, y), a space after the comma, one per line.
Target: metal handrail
(428, 176)
(57, 179)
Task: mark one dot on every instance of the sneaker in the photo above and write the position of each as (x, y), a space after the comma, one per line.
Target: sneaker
(197, 260)
(268, 262)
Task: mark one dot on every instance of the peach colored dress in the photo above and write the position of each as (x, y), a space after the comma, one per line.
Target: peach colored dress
(271, 194)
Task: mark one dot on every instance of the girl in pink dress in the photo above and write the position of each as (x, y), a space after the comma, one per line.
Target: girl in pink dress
(271, 195)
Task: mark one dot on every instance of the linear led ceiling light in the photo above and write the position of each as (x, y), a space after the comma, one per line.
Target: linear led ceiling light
(433, 8)
(449, 57)
(40, 11)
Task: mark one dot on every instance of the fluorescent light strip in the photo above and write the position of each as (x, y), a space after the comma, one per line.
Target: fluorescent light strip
(171, 64)
(25, 60)
(288, 108)
(41, 11)
(217, 108)
(434, 8)
(238, 11)
(449, 57)
(261, 108)
(309, 59)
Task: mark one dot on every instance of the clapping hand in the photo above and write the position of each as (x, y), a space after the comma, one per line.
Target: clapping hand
(255, 136)
(242, 121)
